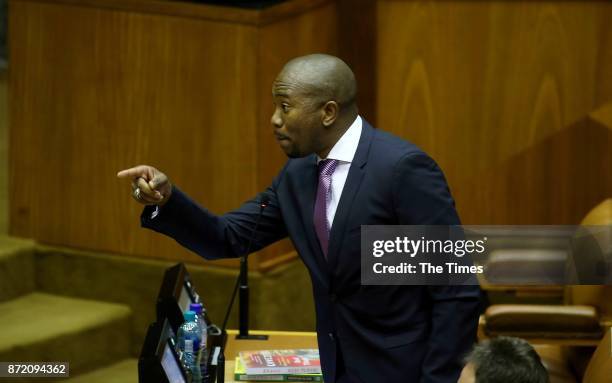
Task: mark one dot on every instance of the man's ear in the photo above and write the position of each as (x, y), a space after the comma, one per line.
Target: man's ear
(330, 113)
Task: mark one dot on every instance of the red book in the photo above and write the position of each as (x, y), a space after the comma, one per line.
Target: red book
(302, 361)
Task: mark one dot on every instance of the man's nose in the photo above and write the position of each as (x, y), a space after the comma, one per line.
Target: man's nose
(276, 120)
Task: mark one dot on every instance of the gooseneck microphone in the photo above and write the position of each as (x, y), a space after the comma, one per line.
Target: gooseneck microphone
(242, 283)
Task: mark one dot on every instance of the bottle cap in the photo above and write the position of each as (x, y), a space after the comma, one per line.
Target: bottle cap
(189, 316)
(196, 308)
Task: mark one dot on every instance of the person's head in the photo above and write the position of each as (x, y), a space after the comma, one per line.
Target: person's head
(314, 104)
(503, 360)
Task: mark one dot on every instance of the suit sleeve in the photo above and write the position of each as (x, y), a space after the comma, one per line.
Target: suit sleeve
(422, 197)
(212, 236)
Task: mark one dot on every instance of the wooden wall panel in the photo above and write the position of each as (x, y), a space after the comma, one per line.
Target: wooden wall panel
(4, 205)
(357, 37)
(504, 95)
(98, 86)
(489, 89)
(95, 91)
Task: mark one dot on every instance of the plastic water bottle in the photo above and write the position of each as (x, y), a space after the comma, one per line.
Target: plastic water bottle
(189, 339)
(203, 327)
(199, 310)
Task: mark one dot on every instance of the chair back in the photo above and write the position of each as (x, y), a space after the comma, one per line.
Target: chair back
(594, 240)
(599, 369)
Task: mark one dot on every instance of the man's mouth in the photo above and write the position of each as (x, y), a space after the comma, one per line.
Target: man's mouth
(280, 137)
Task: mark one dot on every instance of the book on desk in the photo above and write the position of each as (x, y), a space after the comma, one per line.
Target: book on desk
(294, 365)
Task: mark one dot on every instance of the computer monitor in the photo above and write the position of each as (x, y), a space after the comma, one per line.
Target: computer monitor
(175, 295)
(159, 362)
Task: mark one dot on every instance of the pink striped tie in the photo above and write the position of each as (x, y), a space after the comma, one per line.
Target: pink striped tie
(322, 226)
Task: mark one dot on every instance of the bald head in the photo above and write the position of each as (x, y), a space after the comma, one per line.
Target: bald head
(314, 104)
(323, 77)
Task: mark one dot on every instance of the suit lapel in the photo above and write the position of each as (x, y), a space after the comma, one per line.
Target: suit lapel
(351, 187)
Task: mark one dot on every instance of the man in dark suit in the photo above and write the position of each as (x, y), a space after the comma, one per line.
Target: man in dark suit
(341, 174)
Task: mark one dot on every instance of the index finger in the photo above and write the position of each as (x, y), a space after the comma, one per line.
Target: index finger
(141, 171)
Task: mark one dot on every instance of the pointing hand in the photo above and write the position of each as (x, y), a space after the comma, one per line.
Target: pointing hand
(149, 185)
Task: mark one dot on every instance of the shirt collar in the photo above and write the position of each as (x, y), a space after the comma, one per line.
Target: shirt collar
(345, 148)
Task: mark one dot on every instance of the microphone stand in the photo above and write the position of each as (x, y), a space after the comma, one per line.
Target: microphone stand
(242, 282)
(243, 304)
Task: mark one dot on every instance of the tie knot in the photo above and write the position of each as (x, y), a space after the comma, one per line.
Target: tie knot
(327, 167)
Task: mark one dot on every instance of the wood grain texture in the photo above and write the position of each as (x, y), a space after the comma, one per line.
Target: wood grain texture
(96, 90)
(511, 98)
(499, 94)
(357, 37)
(4, 215)
(184, 9)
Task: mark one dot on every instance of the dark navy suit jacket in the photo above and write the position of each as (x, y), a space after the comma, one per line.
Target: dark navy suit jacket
(385, 333)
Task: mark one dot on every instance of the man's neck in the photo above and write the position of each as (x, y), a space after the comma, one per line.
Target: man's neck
(341, 126)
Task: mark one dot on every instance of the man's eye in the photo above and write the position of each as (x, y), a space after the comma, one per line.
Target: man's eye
(285, 108)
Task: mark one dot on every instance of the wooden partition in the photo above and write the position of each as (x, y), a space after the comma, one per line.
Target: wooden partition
(512, 98)
(97, 86)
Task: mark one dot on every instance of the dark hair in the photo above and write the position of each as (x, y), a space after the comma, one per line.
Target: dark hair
(507, 360)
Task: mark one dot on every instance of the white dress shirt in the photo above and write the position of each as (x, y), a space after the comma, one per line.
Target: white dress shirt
(343, 151)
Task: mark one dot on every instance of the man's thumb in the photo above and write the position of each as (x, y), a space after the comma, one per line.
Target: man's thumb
(154, 183)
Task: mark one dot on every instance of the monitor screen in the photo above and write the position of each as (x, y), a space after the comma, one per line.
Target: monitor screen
(171, 366)
(158, 360)
(175, 295)
(184, 299)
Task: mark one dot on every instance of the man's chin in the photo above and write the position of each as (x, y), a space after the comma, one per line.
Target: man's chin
(291, 152)
(295, 154)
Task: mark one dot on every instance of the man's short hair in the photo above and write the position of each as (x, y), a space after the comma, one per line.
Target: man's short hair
(507, 360)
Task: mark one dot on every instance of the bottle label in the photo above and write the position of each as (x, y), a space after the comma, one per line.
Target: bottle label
(188, 345)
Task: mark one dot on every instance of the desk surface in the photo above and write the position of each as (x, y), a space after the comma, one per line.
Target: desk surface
(276, 340)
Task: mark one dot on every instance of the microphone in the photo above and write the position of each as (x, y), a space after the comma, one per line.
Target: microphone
(242, 282)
